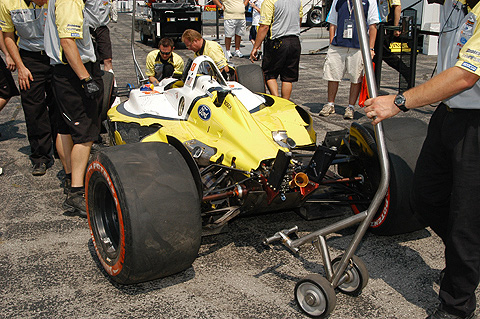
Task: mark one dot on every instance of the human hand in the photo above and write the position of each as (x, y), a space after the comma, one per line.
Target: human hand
(90, 87)
(380, 108)
(397, 33)
(10, 63)
(372, 54)
(254, 55)
(24, 78)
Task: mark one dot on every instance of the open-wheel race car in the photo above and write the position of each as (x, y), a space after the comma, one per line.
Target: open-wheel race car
(193, 153)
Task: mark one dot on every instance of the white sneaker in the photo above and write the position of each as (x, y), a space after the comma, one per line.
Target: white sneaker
(327, 109)
(228, 55)
(238, 54)
(348, 113)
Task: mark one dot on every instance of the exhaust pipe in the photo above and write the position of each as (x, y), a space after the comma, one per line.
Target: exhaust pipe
(300, 180)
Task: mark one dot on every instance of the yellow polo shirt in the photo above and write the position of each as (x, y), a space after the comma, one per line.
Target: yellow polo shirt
(174, 59)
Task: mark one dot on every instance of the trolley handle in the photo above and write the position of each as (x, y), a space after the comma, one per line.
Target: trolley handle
(283, 236)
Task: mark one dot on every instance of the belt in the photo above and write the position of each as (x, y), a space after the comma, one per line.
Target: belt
(286, 37)
(456, 110)
(66, 69)
(32, 53)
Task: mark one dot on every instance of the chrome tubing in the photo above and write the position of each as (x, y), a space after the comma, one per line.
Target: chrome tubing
(138, 71)
(381, 146)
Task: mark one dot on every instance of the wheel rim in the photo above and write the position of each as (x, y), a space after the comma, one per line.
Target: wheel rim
(353, 281)
(105, 220)
(316, 16)
(311, 298)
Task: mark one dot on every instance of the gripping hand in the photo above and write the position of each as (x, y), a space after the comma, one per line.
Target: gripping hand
(90, 87)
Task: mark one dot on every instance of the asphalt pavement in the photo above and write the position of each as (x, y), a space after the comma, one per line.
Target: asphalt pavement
(48, 268)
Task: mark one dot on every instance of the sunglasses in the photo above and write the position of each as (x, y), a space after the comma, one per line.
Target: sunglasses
(165, 53)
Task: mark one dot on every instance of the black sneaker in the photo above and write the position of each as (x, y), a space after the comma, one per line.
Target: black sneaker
(39, 169)
(75, 202)
(442, 314)
(67, 183)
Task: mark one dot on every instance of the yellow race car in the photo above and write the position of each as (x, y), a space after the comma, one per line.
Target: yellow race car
(193, 153)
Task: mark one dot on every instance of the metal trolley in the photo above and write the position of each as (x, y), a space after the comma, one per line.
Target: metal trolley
(314, 293)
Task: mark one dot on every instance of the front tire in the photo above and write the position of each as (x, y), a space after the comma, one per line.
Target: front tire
(143, 211)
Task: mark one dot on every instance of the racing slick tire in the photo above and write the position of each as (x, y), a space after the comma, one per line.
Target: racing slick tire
(143, 211)
(251, 77)
(404, 138)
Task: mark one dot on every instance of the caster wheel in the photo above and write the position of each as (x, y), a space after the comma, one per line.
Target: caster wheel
(357, 276)
(315, 296)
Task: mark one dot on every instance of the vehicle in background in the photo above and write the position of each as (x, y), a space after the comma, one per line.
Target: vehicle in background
(156, 20)
(315, 12)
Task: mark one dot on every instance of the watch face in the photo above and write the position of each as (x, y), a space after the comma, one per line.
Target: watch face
(399, 100)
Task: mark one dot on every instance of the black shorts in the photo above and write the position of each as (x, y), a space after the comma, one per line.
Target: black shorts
(282, 57)
(253, 33)
(7, 83)
(104, 45)
(77, 115)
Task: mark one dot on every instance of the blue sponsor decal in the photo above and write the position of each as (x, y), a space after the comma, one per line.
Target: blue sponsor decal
(463, 40)
(74, 35)
(469, 66)
(204, 112)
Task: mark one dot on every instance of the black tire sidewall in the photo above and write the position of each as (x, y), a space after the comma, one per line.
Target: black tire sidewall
(101, 170)
(159, 204)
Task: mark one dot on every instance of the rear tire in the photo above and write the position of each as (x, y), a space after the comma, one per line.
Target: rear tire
(251, 77)
(143, 211)
(404, 138)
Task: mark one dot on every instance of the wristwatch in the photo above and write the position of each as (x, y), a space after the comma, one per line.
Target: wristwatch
(87, 79)
(399, 101)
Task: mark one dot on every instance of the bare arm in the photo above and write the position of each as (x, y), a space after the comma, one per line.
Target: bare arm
(444, 85)
(397, 11)
(8, 59)
(372, 35)
(254, 6)
(261, 34)
(219, 4)
(331, 32)
(24, 74)
(73, 57)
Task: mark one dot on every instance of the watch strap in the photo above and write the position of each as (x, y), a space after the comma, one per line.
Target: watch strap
(400, 105)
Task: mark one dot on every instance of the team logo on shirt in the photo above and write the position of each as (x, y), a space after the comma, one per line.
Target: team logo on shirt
(469, 66)
(473, 51)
